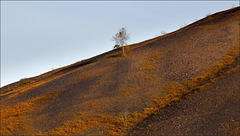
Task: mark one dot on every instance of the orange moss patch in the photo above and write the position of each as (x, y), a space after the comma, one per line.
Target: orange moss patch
(149, 65)
(16, 120)
(85, 122)
(148, 79)
(128, 90)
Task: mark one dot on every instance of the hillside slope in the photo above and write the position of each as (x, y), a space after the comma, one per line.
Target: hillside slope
(213, 111)
(99, 95)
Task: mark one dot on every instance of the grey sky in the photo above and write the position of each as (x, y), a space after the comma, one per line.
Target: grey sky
(38, 36)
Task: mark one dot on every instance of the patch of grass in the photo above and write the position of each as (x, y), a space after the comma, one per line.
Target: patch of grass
(148, 79)
(128, 90)
(16, 120)
(84, 122)
(232, 126)
(23, 82)
(149, 65)
(8, 90)
(93, 105)
(145, 74)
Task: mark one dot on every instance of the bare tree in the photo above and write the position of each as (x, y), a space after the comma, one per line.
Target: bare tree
(120, 39)
(163, 32)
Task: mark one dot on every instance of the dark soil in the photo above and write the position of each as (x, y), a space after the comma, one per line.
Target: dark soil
(214, 110)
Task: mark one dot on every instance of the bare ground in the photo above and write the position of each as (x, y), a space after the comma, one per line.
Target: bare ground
(214, 110)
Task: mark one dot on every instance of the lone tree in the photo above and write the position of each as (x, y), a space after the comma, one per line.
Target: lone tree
(120, 39)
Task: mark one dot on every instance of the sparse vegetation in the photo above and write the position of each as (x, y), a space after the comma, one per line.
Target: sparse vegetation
(108, 96)
(175, 93)
(16, 119)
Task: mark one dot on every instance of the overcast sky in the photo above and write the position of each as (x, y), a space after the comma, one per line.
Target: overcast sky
(39, 36)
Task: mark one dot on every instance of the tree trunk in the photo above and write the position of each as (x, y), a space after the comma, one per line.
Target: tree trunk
(123, 53)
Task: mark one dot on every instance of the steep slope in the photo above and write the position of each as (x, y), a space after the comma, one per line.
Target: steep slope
(213, 111)
(97, 95)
